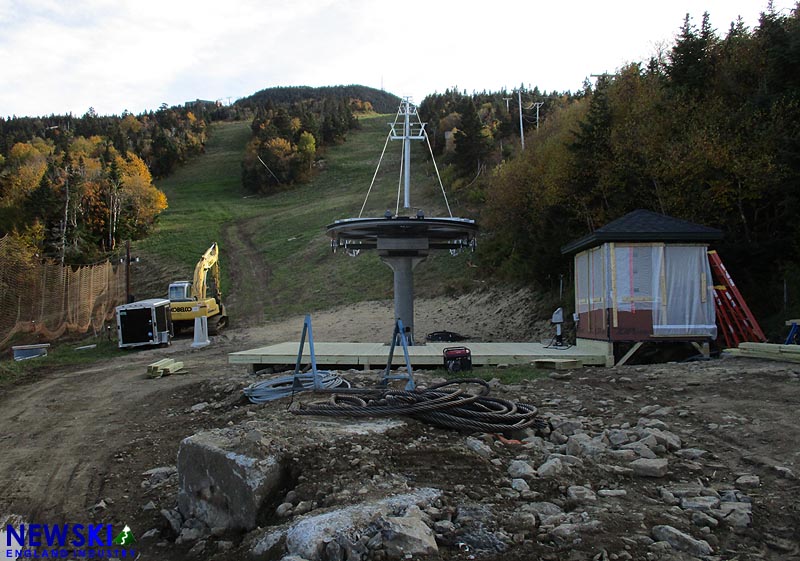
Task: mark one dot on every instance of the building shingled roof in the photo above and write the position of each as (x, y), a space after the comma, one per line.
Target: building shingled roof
(645, 226)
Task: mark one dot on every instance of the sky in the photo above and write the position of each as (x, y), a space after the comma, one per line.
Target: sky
(59, 56)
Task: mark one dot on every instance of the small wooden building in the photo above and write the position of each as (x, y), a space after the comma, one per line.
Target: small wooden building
(644, 277)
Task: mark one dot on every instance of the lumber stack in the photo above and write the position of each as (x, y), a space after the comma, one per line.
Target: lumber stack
(786, 353)
(164, 367)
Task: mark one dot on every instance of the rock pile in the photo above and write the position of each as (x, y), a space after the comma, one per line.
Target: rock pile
(601, 486)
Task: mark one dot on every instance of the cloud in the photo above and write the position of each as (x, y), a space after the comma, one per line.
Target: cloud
(115, 55)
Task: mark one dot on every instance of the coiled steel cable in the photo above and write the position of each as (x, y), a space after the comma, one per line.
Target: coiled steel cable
(455, 408)
(283, 386)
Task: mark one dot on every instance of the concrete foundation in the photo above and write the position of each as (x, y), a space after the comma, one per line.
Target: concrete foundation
(226, 477)
(222, 485)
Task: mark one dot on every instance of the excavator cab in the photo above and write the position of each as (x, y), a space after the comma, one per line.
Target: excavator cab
(180, 291)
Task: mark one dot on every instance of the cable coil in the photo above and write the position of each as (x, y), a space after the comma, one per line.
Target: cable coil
(283, 386)
(452, 408)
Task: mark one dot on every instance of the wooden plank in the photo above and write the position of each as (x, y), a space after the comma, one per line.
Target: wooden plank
(154, 367)
(630, 353)
(768, 356)
(420, 355)
(771, 348)
(170, 368)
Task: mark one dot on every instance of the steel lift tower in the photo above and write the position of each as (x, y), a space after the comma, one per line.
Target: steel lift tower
(403, 239)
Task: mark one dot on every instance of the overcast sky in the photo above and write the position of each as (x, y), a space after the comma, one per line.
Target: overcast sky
(59, 56)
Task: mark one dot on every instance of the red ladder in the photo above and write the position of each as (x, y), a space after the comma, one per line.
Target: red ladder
(735, 320)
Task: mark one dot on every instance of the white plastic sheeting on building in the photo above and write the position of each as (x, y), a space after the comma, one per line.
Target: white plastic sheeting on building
(671, 281)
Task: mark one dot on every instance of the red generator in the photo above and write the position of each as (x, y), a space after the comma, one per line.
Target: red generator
(457, 359)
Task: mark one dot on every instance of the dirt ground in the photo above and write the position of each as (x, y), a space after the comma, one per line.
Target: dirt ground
(76, 442)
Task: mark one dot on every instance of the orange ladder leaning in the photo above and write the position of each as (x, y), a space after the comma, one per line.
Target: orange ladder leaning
(734, 318)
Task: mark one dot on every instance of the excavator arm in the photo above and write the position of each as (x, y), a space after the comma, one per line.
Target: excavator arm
(209, 262)
(185, 296)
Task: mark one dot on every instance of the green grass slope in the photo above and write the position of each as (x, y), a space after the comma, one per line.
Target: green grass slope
(276, 258)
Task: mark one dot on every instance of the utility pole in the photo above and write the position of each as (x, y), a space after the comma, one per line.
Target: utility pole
(128, 261)
(128, 272)
(521, 131)
(538, 104)
(508, 110)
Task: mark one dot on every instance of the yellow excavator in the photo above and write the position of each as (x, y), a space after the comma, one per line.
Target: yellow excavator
(189, 300)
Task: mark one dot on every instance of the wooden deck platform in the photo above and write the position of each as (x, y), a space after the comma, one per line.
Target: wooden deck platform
(375, 355)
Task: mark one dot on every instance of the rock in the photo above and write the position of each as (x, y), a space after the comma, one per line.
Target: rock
(543, 510)
(100, 505)
(222, 486)
(557, 437)
(284, 510)
(681, 490)
(641, 449)
(535, 442)
(650, 468)
(565, 534)
(149, 506)
(440, 527)
(624, 455)
(662, 412)
(308, 536)
(612, 493)
(189, 535)
(652, 423)
(197, 548)
(581, 494)
(174, 519)
(160, 473)
(520, 485)
(748, 481)
(404, 536)
(703, 520)
(334, 551)
(197, 407)
(681, 541)
(567, 459)
(584, 445)
(151, 533)
(703, 504)
(668, 497)
(567, 427)
(618, 437)
(551, 468)
(691, 453)
(668, 440)
(224, 545)
(736, 515)
(479, 447)
(647, 409)
(519, 469)
(302, 507)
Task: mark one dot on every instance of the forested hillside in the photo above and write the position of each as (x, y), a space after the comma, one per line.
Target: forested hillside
(706, 131)
(373, 100)
(291, 125)
(72, 187)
